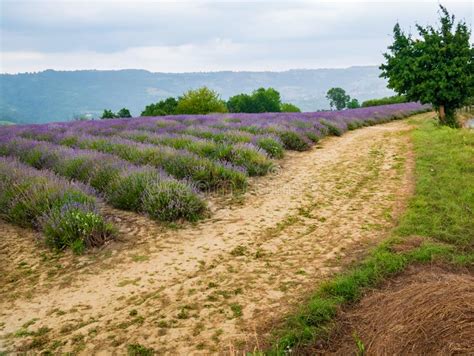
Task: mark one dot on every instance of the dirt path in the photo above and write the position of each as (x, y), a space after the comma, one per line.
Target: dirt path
(206, 287)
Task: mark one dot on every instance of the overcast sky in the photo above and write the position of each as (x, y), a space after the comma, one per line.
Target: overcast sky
(184, 36)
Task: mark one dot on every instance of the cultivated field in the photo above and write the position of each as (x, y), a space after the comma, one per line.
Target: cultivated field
(160, 167)
(203, 286)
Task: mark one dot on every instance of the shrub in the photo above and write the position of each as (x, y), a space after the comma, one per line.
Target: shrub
(293, 141)
(288, 107)
(170, 200)
(255, 162)
(75, 224)
(121, 183)
(179, 163)
(271, 145)
(396, 99)
(66, 214)
(332, 128)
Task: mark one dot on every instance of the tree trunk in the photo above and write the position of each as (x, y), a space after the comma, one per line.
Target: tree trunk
(442, 114)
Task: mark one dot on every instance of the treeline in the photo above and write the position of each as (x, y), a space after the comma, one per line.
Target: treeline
(396, 99)
(339, 100)
(205, 101)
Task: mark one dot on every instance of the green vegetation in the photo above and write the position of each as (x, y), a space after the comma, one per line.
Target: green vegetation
(339, 99)
(122, 113)
(65, 213)
(443, 207)
(161, 108)
(435, 68)
(206, 101)
(396, 99)
(441, 211)
(288, 107)
(200, 101)
(139, 350)
(353, 104)
(261, 100)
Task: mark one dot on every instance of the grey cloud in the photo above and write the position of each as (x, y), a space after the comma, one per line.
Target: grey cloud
(219, 35)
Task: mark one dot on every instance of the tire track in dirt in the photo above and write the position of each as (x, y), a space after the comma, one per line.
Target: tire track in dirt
(206, 286)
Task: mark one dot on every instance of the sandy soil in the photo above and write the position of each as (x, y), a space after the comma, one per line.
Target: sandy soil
(207, 287)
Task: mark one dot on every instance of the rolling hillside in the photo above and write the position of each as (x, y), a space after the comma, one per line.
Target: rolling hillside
(59, 96)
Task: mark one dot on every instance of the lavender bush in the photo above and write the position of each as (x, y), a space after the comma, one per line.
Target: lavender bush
(122, 184)
(64, 212)
(182, 164)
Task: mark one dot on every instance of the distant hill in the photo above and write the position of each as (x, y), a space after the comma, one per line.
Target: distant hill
(61, 95)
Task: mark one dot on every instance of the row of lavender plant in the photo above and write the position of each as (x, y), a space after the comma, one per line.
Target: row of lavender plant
(124, 186)
(65, 212)
(297, 131)
(245, 154)
(255, 161)
(205, 173)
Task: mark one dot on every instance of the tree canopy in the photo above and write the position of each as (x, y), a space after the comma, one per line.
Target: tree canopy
(435, 68)
(353, 104)
(108, 114)
(288, 107)
(200, 101)
(204, 101)
(395, 99)
(123, 112)
(163, 107)
(261, 100)
(337, 98)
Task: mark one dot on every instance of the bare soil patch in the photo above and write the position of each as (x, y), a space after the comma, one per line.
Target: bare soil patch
(206, 287)
(428, 310)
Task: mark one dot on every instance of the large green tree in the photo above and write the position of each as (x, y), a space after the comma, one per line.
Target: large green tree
(435, 68)
(288, 107)
(241, 103)
(337, 98)
(123, 113)
(163, 107)
(353, 104)
(266, 100)
(108, 114)
(200, 101)
(261, 100)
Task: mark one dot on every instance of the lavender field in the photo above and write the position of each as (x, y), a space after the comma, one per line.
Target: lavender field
(163, 167)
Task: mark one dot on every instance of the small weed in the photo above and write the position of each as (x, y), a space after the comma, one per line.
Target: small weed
(126, 282)
(139, 258)
(212, 285)
(360, 345)
(30, 322)
(236, 309)
(217, 334)
(163, 324)
(133, 312)
(198, 328)
(201, 346)
(139, 350)
(239, 251)
(259, 253)
(183, 314)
